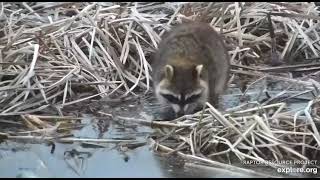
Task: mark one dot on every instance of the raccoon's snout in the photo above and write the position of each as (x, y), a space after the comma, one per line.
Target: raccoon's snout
(176, 108)
(180, 110)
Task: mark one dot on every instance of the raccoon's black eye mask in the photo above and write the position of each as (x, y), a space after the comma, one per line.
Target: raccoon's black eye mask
(175, 100)
(192, 98)
(171, 98)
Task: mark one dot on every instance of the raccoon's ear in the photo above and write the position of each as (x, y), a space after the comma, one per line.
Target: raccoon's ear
(199, 70)
(168, 71)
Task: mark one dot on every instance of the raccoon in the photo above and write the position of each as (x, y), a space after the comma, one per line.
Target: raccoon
(190, 67)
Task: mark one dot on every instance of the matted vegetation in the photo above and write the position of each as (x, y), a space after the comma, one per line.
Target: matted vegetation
(55, 55)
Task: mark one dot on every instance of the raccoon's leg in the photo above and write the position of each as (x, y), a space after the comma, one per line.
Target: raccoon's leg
(213, 96)
(214, 99)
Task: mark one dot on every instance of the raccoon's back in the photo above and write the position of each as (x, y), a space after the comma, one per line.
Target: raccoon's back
(194, 38)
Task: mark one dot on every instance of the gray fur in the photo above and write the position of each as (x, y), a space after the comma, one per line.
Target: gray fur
(185, 48)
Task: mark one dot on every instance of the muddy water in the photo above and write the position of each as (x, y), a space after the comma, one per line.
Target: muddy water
(75, 160)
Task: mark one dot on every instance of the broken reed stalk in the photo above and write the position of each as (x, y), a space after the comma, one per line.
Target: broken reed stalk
(63, 140)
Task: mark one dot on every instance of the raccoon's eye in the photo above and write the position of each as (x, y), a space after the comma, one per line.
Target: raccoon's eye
(171, 98)
(193, 98)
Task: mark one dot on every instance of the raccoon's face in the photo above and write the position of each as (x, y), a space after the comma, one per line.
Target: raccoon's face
(184, 88)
